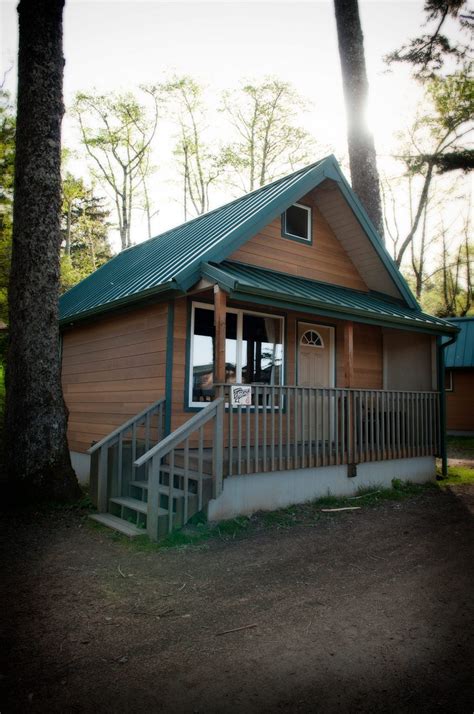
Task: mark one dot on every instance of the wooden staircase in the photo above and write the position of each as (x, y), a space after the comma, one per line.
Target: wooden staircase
(128, 514)
(149, 483)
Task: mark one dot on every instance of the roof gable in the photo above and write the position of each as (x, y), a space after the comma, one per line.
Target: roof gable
(322, 257)
(172, 260)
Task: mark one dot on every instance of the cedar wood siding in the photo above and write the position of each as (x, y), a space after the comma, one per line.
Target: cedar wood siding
(112, 368)
(325, 259)
(460, 402)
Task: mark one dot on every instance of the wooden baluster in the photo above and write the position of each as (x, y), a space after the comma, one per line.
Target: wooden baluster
(248, 452)
(231, 417)
(256, 435)
(288, 428)
(186, 481)
(280, 428)
(239, 440)
(170, 492)
(264, 428)
(200, 465)
(272, 426)
(153, 497)
(218, 450)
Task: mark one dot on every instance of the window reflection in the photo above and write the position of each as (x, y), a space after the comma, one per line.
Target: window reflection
(262, 350)
(203, 355)
(231, 348)
(258, 358)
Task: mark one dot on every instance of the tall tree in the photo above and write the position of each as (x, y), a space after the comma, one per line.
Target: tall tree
(441, 129)
(37, 455)
(117, 131)
(269, 140)
(200, 165)
(362, 156)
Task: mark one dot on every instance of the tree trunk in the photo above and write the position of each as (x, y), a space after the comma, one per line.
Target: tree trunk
(37, 455)
(362, 157)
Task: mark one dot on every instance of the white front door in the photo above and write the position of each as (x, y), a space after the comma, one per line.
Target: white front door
(315, 355)
(316, 369)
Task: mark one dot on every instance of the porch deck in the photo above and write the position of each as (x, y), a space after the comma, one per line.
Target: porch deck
(162, 481)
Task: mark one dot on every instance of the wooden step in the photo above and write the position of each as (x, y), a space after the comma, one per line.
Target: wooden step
(135, 505)
(195, 475)
(118, 524)
(177, 492)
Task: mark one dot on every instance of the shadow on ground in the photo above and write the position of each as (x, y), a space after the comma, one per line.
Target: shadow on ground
(369, 611)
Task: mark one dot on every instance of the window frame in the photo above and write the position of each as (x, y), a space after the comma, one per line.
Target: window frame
(291, 236)
(239, 339)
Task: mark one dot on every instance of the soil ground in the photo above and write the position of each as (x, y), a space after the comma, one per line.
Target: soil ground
(362, 611)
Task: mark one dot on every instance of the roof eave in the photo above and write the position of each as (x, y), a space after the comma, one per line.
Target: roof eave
(162, 291)
(237, 290)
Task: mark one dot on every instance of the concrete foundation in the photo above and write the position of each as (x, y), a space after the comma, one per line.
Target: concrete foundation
(81, 463)
(244, 495)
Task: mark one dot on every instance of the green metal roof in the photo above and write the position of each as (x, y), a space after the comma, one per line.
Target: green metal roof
(171, 261)
(291, 291)
(461, 353)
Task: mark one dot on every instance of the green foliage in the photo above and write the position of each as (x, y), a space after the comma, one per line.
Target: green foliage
(464, 444)
(201, 164)
(7, 161)
(269, 142)
(428, 52)
(117, 130)
(457, 476)
(84, 228)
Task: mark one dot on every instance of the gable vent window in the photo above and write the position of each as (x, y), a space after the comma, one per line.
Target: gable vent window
(296, 223)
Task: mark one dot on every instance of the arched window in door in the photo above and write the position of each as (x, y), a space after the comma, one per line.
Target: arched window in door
(311, 338)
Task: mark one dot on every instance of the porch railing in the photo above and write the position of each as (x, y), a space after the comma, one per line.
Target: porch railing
(116, 453)
(178, 462)
(299, 427)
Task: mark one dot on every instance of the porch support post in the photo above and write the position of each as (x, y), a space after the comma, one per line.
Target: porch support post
(349, 382)
(220, 303)
(349, 354)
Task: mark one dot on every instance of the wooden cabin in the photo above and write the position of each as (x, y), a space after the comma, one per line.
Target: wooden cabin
(459, 363)
(260, 355)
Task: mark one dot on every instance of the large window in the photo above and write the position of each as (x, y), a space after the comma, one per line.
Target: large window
(253, 350)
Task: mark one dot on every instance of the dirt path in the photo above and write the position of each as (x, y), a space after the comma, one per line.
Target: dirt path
(369, 611)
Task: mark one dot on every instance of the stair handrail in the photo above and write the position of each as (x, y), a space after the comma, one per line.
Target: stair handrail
(125, 426)
(154, 456)
(167, 444)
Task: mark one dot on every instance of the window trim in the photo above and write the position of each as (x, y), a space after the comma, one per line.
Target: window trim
(291, 236)
(240, 313)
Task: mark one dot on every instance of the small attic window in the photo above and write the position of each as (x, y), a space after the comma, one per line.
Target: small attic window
(296, 223)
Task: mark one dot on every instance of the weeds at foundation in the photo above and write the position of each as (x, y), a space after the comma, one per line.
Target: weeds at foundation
(198, 532)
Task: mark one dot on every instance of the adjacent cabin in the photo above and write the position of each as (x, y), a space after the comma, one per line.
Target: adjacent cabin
(262, 354)
(459, 363)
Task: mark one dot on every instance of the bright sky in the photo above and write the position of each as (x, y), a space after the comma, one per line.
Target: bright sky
(114, 44)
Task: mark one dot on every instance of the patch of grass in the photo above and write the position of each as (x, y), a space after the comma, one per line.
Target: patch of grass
(198, 531)
(464, 444)
(457, 475)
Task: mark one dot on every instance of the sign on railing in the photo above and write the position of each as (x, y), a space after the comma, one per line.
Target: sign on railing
(241, 395)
